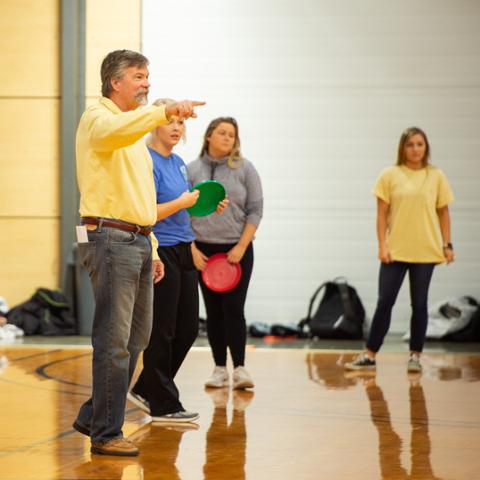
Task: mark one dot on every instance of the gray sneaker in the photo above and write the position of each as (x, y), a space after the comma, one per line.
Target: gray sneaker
(414, 364)
(139, 401)
(177, 417)
(361, 362)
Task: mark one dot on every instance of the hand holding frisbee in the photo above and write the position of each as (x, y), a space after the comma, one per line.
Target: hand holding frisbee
(211, 194)
(221, 276)
(189, 198)
(222, 205)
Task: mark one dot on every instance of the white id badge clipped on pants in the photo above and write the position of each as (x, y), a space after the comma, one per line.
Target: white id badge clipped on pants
(82, 236)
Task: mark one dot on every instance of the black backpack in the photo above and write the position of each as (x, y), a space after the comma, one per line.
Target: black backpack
(340, 313)
(47, 312)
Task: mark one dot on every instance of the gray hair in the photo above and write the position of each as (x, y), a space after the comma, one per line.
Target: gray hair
(114, 65)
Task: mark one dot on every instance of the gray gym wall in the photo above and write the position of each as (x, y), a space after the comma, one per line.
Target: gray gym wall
(322, 90)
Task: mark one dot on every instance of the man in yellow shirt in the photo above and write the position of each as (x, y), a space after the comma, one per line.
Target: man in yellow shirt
(118, 249)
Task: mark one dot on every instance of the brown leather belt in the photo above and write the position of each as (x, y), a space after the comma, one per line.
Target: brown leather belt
(111, 223)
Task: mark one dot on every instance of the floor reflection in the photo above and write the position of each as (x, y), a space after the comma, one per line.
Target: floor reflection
(160, 445)
(120, 468)
(390, 443)
(465, 367)
(3, 363)
(325, 423)
(328, 371)
(225, 451)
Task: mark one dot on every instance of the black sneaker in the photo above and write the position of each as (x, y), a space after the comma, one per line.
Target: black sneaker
(139, 401)
(176, 417)
(362, 362)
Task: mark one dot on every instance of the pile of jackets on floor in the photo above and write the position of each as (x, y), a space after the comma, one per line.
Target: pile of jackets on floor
(46, 312)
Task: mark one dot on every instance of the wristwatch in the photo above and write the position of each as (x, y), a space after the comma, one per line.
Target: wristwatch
(448, 246)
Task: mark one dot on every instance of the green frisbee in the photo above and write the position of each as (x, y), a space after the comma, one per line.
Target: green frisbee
(211, 193)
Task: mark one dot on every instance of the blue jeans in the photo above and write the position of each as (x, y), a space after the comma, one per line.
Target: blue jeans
(120, 267)
(389, 282)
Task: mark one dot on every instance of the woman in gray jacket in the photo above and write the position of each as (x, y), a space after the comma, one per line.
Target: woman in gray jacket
(232, 232)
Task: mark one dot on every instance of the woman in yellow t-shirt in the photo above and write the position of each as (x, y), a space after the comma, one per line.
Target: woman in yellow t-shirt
(413, 231)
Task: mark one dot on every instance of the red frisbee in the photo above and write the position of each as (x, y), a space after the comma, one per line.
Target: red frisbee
(221, 276)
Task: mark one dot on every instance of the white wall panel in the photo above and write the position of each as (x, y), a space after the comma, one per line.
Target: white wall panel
(322, 91)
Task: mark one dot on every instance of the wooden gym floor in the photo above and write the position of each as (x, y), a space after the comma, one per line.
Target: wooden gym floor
(306, 419)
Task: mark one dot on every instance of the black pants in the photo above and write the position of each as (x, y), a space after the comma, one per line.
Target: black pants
(175, 327)
(389, 282)
(226, 324)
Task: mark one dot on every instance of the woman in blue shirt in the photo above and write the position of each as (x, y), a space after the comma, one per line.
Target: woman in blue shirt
(175, 309)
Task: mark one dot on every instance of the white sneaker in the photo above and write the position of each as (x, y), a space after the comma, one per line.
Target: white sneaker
(218, 378)
(242, 379)
(414, 364)
(6, 334)
(17, 332)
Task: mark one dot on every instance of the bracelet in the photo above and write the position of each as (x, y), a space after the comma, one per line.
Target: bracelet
(448, 246)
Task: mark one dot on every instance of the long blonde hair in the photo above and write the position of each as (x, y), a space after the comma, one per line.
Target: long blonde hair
(235, 157)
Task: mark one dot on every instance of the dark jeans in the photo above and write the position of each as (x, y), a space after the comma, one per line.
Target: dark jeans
(226, 324)
(389, 282)
(120, 267)
(175, 327)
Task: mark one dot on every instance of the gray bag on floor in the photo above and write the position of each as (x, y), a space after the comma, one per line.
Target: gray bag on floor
(449, 316)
